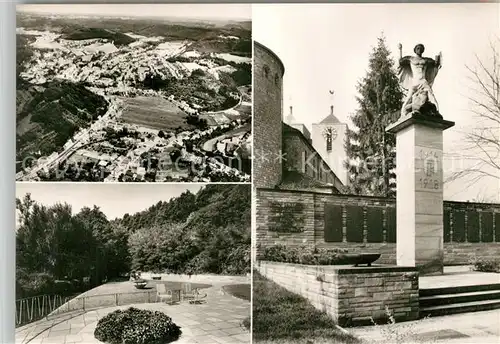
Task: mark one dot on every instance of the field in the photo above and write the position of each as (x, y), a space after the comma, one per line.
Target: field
(154, 112)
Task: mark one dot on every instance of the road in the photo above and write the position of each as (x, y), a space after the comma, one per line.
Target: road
(51, 163)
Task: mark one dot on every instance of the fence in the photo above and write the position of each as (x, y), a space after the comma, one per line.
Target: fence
(36, 308)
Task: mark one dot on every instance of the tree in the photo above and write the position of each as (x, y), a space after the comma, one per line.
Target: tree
(482, 143)
(51, 240)
(370, 151)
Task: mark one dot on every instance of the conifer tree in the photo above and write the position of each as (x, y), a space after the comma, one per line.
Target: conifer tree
(370, 150)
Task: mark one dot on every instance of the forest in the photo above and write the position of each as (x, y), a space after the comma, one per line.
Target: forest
(61, 251)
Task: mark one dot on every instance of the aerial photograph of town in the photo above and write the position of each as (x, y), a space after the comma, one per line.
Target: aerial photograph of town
(155, 95)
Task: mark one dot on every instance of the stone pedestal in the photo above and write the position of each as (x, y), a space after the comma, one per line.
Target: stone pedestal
(419, 192)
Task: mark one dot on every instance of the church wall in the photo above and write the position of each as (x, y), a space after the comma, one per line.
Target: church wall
(297, 152)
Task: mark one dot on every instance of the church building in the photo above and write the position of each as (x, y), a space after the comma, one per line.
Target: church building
(328, 138)
(284, 152)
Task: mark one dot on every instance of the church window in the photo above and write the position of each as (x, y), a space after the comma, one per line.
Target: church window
(329, 141)
(266, 71)
(304, 162)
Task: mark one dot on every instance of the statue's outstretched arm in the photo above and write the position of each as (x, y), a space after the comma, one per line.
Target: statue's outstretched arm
(439, 60)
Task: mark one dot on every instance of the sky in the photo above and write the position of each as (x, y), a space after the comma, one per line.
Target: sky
(326, 47)
(114, 200)
(201, 11)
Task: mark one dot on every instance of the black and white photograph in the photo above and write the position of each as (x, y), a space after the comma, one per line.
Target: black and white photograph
(132, 263)
(271, 173)
(134, 93)
(376, 173)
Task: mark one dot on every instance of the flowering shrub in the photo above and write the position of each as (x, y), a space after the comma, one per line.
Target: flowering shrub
(305, 255)
(136, 326)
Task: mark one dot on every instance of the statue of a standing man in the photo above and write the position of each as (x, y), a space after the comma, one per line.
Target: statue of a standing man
(417, 74)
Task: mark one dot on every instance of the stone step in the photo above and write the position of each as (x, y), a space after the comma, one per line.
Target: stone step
(456, 308)
(447, 299)
(458, 289)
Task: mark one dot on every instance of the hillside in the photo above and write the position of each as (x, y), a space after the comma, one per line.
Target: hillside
(204, 233)
(231, 201)
(91, 33)
(49, 115)
(171, 29)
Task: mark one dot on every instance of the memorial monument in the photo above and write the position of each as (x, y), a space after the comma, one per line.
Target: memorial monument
(419, 163)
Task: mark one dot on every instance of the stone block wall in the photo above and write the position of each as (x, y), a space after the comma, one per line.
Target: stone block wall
(465, 225)
(351, 295)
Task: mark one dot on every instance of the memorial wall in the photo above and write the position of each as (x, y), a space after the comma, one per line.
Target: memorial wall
(368, 224)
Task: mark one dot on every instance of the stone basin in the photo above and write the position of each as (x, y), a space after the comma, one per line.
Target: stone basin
(359, 258)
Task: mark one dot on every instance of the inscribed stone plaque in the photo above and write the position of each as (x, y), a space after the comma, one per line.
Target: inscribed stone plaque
(446, 226)
(486, 227)
(354, 223)
(472, 226)
(333, 223)
(391, 224)
(458, 226)
(497, 227)
(428, 169)
(375, 224)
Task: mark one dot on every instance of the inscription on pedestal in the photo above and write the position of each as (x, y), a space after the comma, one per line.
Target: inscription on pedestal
(428, 169)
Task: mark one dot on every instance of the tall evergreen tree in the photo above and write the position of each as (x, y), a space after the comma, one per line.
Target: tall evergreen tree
(370, 150)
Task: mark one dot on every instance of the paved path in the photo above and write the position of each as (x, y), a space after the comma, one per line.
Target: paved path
(218, 321)
(477, 327)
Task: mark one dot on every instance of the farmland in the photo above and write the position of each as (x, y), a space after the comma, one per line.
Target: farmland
(154, 112)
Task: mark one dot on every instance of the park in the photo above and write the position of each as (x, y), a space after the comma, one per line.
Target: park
(171, 264)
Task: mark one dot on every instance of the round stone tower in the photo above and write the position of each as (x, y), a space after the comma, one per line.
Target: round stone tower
(268, 109)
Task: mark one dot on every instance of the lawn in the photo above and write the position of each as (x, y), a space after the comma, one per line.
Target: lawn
(154, 112)
(241, 291)
(280, 316)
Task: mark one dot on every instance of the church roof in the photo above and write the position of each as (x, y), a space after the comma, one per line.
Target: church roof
(330, 119)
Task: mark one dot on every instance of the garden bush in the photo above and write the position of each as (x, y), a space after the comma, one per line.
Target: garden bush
(304, 255)
(485, 265)
(33, 284)
(136, 326)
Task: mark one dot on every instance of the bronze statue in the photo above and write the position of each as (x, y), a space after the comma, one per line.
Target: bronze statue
(417, 74)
